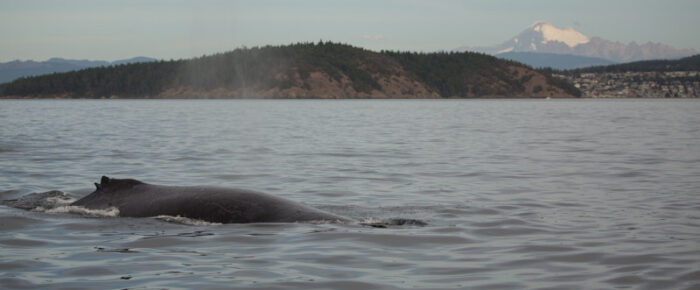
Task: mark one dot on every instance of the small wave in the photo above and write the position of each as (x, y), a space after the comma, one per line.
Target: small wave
(115, 250)
(47, 200)
(185, 220)
(384, 223)
(326, 222)
(107, 212)
(63, 200)
(371, 220)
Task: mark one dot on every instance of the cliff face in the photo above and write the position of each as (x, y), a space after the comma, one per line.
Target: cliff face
(315, 83)
(323, 70)
(319, 85)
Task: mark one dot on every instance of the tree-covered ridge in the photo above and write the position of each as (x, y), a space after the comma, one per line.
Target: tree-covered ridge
(691, 63)
(140, 79)
(469, 73)
(447, 72)
(282, 69)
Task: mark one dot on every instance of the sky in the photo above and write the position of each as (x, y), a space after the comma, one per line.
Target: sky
(175, 29)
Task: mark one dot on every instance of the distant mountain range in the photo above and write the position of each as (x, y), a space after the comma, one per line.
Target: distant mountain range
(12, 70)
(686, 64)
(554, 60)
(543, 37)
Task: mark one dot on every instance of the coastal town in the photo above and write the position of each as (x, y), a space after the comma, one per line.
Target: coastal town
(631, 84)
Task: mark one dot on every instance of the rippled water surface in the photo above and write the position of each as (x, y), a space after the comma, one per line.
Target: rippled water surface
(575, 194)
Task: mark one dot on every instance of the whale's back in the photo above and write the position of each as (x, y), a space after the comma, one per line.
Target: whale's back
(223, 205)
(134, 198)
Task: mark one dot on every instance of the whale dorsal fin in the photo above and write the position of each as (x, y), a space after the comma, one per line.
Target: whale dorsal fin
(107, 182)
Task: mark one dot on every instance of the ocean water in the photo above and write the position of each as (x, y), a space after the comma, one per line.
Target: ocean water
(516, 194)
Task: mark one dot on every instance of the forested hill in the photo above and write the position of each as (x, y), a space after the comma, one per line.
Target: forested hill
(691, 63)
(304, 70)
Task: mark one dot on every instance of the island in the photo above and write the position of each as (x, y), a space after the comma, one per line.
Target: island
(316, 70)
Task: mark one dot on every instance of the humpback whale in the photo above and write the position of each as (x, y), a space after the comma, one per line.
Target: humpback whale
(134, 198)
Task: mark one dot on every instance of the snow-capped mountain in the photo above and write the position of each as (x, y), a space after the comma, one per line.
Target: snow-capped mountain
(543, 37)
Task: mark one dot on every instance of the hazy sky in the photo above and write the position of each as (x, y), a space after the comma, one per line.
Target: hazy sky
(118, 29)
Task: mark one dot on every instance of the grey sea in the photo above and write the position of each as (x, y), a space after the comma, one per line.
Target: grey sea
(515, 194)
